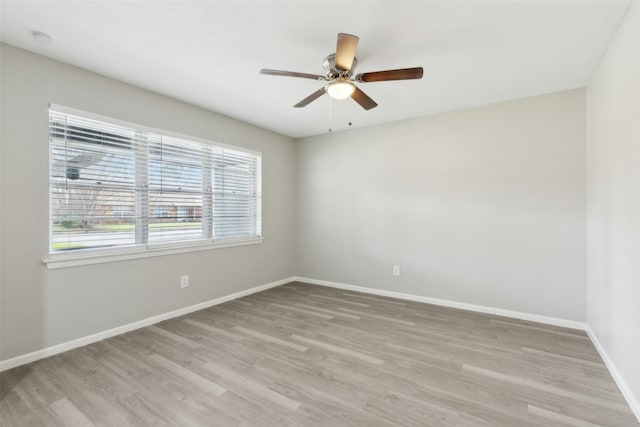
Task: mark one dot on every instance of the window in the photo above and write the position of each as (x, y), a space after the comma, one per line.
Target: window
(161, 211)
(119, 211)
(129, 187)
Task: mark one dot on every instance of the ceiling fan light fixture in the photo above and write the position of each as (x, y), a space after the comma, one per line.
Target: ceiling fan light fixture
(340, 89)
(339, 75)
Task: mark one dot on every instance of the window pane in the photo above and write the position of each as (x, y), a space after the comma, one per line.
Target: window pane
(235, 194)
(85, 218)
(175, 216)
(92, 184)
(176, 169)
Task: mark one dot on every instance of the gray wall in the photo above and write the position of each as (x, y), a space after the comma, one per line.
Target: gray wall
(484, 206)
(40, 307)
(613, 204)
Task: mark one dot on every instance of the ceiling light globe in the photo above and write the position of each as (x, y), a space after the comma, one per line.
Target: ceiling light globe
(340, 89)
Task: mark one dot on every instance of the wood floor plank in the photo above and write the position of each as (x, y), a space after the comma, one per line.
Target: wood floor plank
(271, 339)
(303, 311)
(554, 416)
(571, 359)
(252, 386)
(377, 316)
(71, 415)
(188, 375)
(173, 337)
(15, 412)
(339, 300)
(376, 299)
(328, 311)
(545, 388)
(305, 355)
(339, 350)
(213, 329)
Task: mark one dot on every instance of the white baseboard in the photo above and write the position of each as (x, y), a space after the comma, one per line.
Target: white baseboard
(454, 304)
(632, 400)
(70, 345)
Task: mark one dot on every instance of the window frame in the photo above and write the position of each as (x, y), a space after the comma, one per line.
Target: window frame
(145, 250)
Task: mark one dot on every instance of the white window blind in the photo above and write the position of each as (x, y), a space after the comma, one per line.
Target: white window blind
(236, 194)
(115, 185)
(178, 185)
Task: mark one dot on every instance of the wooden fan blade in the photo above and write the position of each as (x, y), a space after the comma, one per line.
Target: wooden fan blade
(381, 76)
(292, 74)
(346, 51)
(315, 95)
(363, 99)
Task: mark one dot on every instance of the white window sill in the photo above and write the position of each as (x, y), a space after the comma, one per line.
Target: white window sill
(76, 259)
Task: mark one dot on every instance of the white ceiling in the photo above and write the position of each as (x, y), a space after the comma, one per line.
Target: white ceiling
(209, 53)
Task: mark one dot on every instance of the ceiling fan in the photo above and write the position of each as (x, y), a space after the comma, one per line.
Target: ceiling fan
(339, 68)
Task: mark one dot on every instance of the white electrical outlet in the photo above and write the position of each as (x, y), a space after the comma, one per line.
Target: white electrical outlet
(396, 270)
(184, 281)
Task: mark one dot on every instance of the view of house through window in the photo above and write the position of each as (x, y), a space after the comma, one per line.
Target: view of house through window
(114, 185)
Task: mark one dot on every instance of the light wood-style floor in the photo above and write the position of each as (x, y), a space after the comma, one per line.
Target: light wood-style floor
(303, 355)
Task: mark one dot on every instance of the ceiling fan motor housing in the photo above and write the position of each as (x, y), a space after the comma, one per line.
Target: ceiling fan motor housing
(329, 65)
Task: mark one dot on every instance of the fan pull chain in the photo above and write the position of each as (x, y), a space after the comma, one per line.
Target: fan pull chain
(330, 114)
